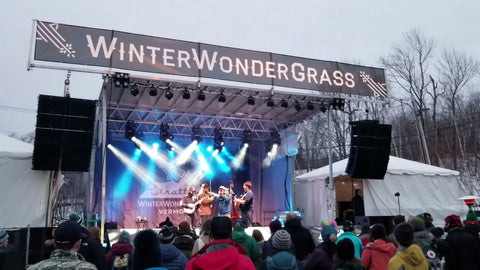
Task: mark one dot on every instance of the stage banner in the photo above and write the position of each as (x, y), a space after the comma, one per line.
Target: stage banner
(79, 47)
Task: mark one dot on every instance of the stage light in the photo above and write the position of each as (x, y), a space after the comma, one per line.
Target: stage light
(129, 130)
(298, 107)
(153, 91)
(247, 136)
(338, 104)
(222, 98)
(168, 94)
(218, 139)
(134, 90)
(276, 138)
(284, 103)
(186, 93)
(310, 106)
(323, 108)
(251, 100)
(121, 80)
(201, 96)
(165, 133)
(270, 102)
(197, 133)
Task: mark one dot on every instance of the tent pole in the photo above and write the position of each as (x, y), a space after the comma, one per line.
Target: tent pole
(104, 153)
(330, 166)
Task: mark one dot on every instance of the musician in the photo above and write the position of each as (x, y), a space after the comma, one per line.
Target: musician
(206, 198)
(246, 204)
(223, 201)
(189, 206)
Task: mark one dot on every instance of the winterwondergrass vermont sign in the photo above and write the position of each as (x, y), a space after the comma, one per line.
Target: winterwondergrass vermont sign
(83, 46)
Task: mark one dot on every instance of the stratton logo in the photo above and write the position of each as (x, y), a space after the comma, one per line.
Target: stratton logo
(378, 89)
(49, 34)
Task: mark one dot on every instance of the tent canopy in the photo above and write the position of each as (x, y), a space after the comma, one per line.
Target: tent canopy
(12, 147)
(422, 188)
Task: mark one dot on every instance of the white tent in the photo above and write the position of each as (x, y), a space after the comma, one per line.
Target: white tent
(422, 188)
(23, 192)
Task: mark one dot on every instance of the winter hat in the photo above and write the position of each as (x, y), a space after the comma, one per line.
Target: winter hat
(378, 231)
(224, 188)
(3, 236)
(404, 234)
(75, 218)
(184, 227)
(70, 231)
(452, 221)
(437, 232)
(472, 217)
(281, 240)
(327, 231)
(124, 237)
(418, 224)
(345, 249)
(347, 226)
(275, 225)
(398, 219)
(166, 235)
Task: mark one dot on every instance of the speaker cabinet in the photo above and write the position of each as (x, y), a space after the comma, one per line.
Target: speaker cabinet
(64, 133)
(369, 150)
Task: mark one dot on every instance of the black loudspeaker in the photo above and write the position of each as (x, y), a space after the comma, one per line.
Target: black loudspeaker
(64, 134)
(369, 149)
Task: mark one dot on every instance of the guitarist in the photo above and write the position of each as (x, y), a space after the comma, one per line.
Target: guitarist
(246, 204)
(189, 206)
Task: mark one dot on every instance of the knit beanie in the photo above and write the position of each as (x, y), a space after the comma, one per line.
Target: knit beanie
(281, 240)
(166, 235)
(327, 231)
(124, 237)
(404, 234)
(418, 224)
(347, 226)
(75, 218)
(437, 232)
(275, 225)
(345, 249)
(472, 217)
(3, 236)
(378, 232)
(452, 221)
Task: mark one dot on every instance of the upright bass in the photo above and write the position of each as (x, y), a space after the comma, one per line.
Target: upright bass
(235, 215)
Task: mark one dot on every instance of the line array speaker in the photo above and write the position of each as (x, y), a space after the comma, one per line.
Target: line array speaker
(369, 150)
(64, 133)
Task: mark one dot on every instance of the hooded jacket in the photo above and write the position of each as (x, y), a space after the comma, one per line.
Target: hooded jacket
(221, 254)
(377, 255)
(301, 238)
(172, 257)
(282, 260)
(119, 249)
(247, 242)
(411, 259)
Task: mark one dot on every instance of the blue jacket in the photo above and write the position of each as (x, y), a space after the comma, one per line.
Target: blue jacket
(172, 257)
(223, 205)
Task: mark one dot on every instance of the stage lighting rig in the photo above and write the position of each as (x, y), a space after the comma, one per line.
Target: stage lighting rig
(129, 130)
(121, 80)
(338, 104)
(298, 106)
(186, 93)
(165, 132)
(247, 136)
(218, 139)
(197, 134)
(201, 95)
(251, 100)
(222, 98)
(168, 94)
(310, 106)
(284, 103)
(270, 102)
(134, 90)
(153, 91)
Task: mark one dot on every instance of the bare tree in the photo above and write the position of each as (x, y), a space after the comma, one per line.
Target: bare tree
(456, 71)
(408, 68)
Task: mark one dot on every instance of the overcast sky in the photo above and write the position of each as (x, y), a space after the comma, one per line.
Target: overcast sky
(357, 32)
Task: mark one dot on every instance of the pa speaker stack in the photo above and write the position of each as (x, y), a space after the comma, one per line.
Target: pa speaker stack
(369, 150)
(64, 133)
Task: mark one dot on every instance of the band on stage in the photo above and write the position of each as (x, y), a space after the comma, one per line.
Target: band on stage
(226, 203)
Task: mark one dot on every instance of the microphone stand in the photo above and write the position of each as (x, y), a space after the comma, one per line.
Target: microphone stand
(398, 198)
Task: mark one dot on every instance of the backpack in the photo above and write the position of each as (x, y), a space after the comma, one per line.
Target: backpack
(120, 262)
(430, 252)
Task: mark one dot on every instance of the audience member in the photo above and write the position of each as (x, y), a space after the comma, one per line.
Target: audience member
(147, 253)
(121, 253)
(172, 257)
(379, 251)
(91, 249)
(165, 223)
(409, 255)
(204, 236)
(321, 258)
(3, 246)
(185, 239)
(344, 258)
(247, 242)
(462, 250)
(258, 236)
(280, 257)
(221, 252)
(274, 226)
(365, 234)
(348, 229)
(396, 220)
(301, 237)
(68, 239)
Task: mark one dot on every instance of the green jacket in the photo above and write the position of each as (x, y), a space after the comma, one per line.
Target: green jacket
(247, 242)
(63, 260)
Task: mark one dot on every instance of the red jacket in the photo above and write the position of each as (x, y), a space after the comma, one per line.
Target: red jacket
(377, 254)
(221, 254)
